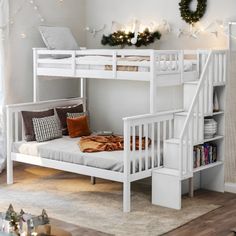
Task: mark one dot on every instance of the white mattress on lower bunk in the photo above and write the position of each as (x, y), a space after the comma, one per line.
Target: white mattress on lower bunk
(92, 63)
(66, 149)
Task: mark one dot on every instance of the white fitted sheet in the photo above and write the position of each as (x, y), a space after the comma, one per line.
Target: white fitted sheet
(66, 149)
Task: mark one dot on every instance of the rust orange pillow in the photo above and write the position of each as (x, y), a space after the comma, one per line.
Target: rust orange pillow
(78, 127)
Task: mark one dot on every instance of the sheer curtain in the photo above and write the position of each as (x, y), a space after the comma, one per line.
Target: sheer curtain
(4, 20)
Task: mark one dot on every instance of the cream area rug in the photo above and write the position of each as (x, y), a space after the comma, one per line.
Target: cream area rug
(71, 198)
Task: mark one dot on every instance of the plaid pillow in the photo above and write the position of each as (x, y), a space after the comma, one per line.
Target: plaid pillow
(76, 115)
(46, 128)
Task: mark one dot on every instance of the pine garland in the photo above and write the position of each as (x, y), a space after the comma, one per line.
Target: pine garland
(121, 38)
(190, 16)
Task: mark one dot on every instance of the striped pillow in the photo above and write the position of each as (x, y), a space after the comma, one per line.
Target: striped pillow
(47, 128)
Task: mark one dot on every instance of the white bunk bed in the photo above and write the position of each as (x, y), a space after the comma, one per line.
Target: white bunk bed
(173, 134)
(160, 68)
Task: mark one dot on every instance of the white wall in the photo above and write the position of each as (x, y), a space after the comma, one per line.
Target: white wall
(99, 12)
(68, 13)
(110, 101)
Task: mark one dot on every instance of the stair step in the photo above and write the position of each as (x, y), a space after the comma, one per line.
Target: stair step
(167, 171)
(183, 113)
(170, 172)
(192, 82)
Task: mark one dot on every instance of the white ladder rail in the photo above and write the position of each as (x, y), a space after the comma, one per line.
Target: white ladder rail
(183, 142)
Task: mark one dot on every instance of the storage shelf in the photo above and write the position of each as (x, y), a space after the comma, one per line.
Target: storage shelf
(218, 163)
(217, 137)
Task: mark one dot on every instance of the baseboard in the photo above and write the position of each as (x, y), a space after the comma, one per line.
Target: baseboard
(230, 187)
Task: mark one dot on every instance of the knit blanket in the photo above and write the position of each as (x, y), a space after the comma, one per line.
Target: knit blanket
(95, 143)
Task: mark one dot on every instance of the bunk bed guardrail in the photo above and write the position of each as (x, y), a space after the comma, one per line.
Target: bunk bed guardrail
(164, 61)
(138, 163)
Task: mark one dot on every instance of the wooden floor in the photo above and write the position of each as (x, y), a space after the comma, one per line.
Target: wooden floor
(219, 222)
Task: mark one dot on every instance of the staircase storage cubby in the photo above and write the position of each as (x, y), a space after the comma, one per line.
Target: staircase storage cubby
(180, 152)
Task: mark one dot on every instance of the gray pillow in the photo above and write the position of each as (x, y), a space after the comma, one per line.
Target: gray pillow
(28, 122)
(58, 38)
(47, 128)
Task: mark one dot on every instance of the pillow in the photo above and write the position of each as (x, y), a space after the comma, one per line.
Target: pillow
(78, 127)
(28, 123)
(76, 115)
(46, 128)
(62, 114)
(58, 38)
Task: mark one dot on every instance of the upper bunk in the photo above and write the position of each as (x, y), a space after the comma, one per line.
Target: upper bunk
(167, 67)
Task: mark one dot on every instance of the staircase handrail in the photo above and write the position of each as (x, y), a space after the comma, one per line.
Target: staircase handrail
(192, 106)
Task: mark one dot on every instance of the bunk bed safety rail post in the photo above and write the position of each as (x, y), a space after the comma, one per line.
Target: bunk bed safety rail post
(14, 133)
(181, 61)
(140, 160)
(153, 81)
(143, 142)
(220, 68)
(201, 105)
(35, 79)
(73, 63)
(169, 62)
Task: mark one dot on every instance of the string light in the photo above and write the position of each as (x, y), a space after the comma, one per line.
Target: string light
(36, 9)
(23, 35)
(11, 19)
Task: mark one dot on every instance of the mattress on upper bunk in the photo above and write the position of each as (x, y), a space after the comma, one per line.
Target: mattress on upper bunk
(131, 63)
(66, 149)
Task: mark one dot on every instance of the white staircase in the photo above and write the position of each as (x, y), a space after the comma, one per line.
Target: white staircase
(188, 131)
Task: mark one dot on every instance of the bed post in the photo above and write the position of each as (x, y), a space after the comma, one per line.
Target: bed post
(35, 78)
(126, 180)
(93, 180)
(83, 95)
(181, 59)
(9, 143)
(152, 82)
(83, 92)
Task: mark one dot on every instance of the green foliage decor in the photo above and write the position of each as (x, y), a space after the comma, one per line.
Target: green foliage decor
(190, 16)
(121, 38)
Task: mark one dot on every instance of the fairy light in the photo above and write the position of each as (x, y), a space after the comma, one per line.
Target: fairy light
(37, 10)
(23, 35)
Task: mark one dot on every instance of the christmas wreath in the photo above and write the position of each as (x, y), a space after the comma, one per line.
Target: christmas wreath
(192, 16)
(121, 38)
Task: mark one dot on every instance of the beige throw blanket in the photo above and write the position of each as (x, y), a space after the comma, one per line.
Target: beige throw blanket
(107, 143)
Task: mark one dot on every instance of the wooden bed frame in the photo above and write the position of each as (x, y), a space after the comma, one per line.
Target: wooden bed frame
(149, 125)
(160, 127)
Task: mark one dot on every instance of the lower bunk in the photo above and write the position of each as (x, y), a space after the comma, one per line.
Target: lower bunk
(132, 163)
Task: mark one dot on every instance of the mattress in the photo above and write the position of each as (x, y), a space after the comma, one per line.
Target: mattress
(66, 149)
(140, 64)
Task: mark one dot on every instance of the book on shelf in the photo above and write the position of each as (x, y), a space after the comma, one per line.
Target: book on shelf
(204, 154)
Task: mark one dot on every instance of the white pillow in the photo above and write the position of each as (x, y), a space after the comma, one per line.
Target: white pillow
(58, 38)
